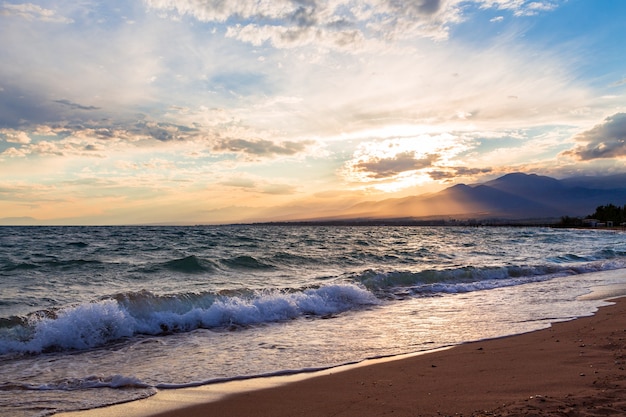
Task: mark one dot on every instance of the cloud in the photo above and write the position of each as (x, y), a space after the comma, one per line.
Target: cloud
(95, 139)
(535, 7)
(48, 148)
(261, 147)
(605, 140)
(291, 37)
(521, 7)
(14, 153)
(221, 11)
(423, 6)
(392, 166)
(207, 92)
(85, 71)
(85, 78)
(402, 162)
(15, 136)
(336, 24)
(76, 106)
(31, 11)
(163, 132)
(455, 172)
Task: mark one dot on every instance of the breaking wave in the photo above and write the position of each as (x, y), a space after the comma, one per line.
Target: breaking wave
(466, 279)
(95, 324)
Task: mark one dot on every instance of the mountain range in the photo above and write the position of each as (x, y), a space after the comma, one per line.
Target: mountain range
(515, 196)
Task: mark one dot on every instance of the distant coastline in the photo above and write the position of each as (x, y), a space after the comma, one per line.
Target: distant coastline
(411, 222)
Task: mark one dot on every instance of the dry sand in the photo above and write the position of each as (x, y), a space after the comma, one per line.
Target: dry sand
(574, 368)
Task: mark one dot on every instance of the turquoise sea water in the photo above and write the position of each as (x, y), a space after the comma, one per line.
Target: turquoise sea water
(97, 315)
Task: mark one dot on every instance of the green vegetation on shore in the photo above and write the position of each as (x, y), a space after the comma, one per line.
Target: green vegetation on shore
(607, 214)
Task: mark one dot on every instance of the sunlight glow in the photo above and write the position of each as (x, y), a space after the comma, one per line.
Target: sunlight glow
(393, 164)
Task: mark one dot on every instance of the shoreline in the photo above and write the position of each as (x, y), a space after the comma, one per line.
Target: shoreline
(577, 364)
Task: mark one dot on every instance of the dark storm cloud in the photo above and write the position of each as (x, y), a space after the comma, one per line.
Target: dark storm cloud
(261, 147)
(389, 167)
(605, 140)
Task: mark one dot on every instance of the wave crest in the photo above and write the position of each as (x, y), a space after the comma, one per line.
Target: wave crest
(246, 262)
(190, 264)
(96, 324)
(395, 284)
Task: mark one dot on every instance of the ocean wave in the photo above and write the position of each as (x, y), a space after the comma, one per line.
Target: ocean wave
(128, 314)
(78, 244)
(193, 264)
(609, 253)
(290, 259)
(190, 264)
(246, 262)
(570, 257)
(69, 263)
(98, 323)
(10, 266)
(394, 284)
(74, 328)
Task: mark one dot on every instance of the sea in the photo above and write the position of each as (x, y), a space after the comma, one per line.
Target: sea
(92, 316)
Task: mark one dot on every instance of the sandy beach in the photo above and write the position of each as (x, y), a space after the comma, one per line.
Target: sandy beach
(574, 368)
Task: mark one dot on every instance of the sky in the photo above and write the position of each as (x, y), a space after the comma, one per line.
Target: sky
(219, 111)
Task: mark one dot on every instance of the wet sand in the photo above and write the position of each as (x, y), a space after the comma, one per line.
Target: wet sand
(575, 368)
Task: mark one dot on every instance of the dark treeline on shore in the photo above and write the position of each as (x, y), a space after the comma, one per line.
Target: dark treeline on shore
(606, 214)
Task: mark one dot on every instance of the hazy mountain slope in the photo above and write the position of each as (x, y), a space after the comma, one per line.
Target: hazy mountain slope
(512, 196)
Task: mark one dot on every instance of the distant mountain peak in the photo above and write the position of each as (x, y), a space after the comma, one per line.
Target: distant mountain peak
(514, 196)
(520, 182)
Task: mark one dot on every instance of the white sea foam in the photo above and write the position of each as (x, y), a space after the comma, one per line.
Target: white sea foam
(81, 327)
(93, 381)
(95, 324)
(466, 279)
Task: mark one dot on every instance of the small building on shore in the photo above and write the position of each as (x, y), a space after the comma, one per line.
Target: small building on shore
(597, 223)
(591, 222)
